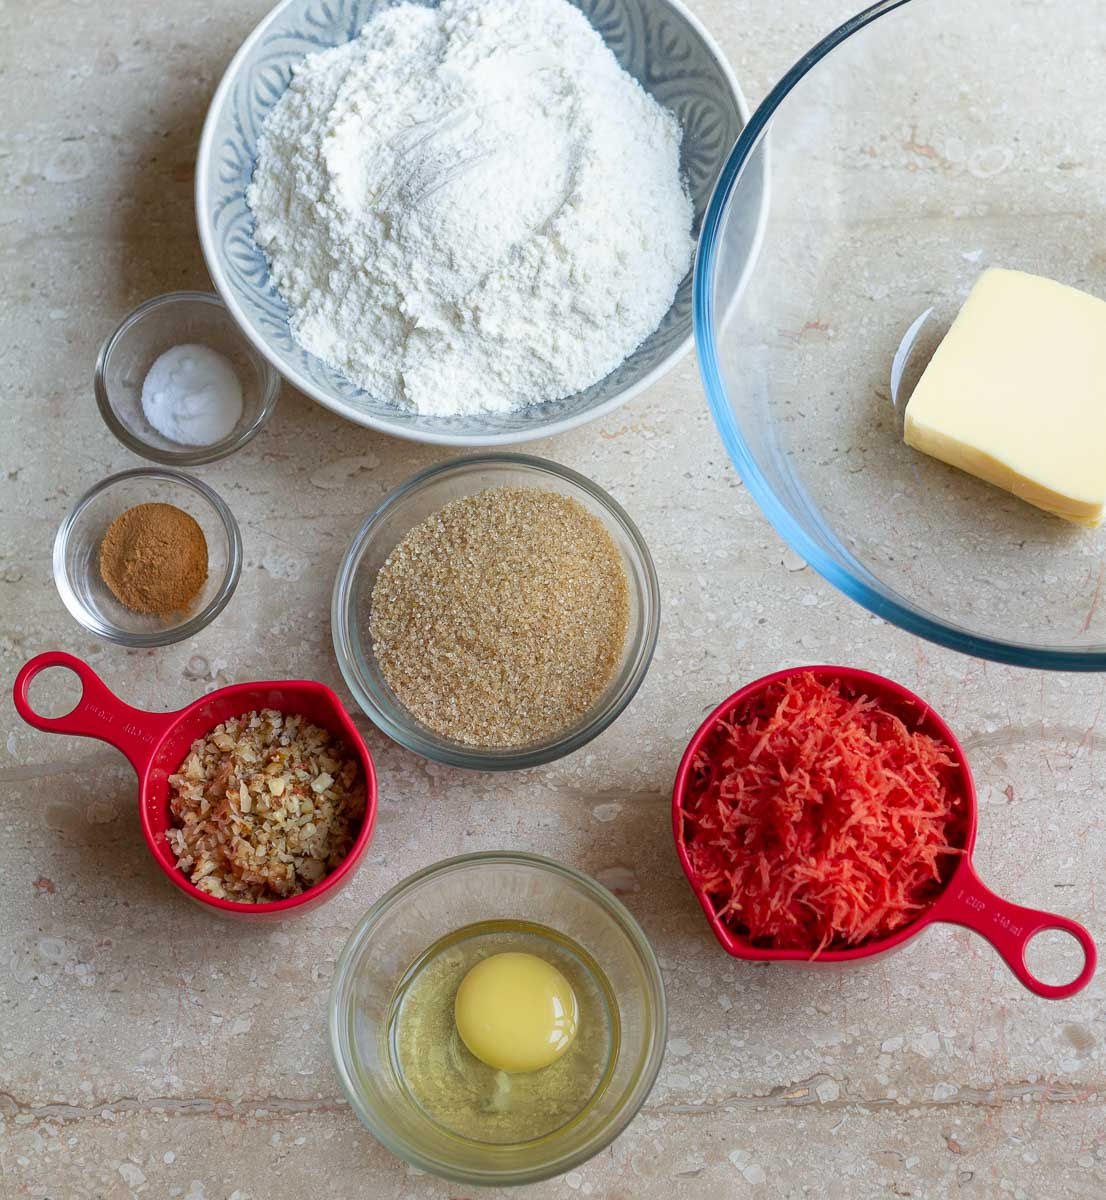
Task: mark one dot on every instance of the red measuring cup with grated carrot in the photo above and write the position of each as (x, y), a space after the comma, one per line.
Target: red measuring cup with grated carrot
(826, 814)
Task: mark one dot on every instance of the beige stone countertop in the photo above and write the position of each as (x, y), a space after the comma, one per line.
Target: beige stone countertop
(149, 1050)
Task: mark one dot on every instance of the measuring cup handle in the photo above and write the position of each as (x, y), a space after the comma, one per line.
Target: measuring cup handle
(1010, 928)
(99, 713)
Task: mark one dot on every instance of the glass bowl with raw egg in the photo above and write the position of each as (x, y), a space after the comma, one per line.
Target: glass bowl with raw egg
(497, 1019)
(920, 144)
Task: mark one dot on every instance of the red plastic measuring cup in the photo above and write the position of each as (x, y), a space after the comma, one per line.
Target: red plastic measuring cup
(156, 744)
(964, 899)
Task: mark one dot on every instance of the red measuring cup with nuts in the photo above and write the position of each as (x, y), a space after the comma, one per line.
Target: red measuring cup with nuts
(157, 743)
(960, 898)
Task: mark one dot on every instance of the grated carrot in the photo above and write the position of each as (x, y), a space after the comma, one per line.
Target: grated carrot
(816, 818)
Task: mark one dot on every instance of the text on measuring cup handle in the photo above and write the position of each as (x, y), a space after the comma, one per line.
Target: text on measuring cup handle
(979, 905)
(106, 717)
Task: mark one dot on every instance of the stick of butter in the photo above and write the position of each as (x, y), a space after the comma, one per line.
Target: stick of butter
(1016, 394)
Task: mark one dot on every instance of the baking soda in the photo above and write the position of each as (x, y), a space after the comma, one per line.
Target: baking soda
(192, 395)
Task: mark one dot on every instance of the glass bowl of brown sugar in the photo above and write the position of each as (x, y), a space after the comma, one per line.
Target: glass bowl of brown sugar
(147, 557)
(496, 612)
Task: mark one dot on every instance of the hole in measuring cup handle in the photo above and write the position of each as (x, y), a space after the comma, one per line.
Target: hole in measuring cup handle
(1010, 928)
(55, 692)
(1054, 956)
(98, 713)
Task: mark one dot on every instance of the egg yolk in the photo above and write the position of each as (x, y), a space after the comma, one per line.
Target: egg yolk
(516, 1012)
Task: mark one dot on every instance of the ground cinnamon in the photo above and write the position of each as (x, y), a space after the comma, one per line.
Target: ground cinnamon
(154, 559)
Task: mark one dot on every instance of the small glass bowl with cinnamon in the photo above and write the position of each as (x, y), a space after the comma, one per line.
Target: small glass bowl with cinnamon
(147, 557)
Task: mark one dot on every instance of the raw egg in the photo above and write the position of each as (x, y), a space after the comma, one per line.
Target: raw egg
(516, 1012)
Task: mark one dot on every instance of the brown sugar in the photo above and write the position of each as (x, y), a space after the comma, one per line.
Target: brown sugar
(501, 619)
(154, 559)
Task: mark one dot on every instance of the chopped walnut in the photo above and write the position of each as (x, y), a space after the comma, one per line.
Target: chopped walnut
(265, 806)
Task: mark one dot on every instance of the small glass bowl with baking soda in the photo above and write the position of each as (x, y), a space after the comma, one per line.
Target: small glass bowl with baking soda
(118, 589)
(172, 325)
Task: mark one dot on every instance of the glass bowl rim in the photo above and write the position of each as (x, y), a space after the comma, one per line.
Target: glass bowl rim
(606, 900)
(394, 721)
(187, 456)
(857, 584)
(175, 633)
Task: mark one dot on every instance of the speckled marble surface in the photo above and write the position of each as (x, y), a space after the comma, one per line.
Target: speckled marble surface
(146, 1049)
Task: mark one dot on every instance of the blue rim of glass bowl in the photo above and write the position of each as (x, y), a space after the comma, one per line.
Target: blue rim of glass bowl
(858, 584)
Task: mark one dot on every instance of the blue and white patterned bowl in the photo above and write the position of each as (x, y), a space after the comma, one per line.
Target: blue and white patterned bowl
(657, 41)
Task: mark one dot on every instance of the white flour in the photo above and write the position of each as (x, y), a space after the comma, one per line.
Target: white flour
(473, 207)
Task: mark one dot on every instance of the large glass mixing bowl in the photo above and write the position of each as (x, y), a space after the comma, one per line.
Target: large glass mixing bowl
(918, 144)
